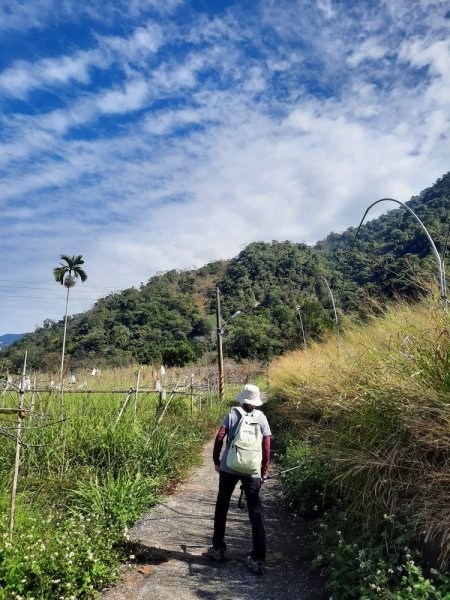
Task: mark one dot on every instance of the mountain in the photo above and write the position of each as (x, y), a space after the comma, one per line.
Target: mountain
(171, 319)
(10, 338)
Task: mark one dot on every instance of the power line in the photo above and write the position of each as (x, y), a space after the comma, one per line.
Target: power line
(24, 287)
(72, 299)
(92, 287)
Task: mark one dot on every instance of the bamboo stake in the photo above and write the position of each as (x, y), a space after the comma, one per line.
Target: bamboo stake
(32, 398)
(17, 452)
(136, 392)
(161, 399)
(172, 395)
(124, 405)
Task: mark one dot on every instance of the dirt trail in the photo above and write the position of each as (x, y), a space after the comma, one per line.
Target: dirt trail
(174, 536)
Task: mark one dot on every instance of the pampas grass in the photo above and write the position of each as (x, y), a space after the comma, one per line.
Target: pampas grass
(380, 411)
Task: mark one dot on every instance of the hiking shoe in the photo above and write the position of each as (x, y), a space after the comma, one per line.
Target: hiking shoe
(255, 566)
(217, 555)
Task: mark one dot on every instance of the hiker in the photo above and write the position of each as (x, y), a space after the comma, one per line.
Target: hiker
(248, 429)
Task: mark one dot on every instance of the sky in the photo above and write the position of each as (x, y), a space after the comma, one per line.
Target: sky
(149, 135)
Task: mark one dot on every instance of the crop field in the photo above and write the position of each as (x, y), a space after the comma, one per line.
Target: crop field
(89, 467)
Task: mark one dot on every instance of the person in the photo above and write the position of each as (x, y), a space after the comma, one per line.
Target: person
(250, 399)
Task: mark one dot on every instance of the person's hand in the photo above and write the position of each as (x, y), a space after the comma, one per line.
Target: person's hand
(216, 467)
(263, 479)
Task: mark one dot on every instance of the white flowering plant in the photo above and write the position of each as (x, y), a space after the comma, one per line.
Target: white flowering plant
(55, 557)
(364, 563)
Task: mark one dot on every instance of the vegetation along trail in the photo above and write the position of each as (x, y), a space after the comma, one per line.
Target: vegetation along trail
(169, 546)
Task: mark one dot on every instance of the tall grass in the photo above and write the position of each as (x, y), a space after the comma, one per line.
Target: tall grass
(379, 414)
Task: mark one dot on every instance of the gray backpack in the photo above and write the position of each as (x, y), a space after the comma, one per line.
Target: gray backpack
(245, 452)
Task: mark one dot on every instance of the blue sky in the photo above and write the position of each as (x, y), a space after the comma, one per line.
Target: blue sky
(148, 135)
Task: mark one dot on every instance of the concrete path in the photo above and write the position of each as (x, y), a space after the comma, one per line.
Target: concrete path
(170, 542)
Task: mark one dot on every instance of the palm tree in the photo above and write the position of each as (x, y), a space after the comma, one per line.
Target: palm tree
(67, 274)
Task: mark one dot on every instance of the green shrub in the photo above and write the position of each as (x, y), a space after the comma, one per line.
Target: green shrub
(305, 486)
(115, 500)
(377, 562)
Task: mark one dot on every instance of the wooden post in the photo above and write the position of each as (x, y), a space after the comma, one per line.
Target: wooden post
(16, 463)
(33, 396)
(192, 393)
(219, 345)
(136, 393)
(17, 453)
(41, 407)
(162, 397)
(162, 371)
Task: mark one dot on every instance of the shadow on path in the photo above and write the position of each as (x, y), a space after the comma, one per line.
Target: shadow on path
(170, 544)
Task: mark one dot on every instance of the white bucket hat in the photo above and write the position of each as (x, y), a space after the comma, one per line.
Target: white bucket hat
(250, 395)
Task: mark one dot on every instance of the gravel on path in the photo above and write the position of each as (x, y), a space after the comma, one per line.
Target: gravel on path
(171, 541)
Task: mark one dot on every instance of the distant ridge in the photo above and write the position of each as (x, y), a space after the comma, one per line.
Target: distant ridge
(10, 338)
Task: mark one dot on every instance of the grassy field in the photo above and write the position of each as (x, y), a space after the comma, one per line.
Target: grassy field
(370, 427)
(85, 478)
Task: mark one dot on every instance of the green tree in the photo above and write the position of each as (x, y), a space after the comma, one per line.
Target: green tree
(178, 354)
(66, 274)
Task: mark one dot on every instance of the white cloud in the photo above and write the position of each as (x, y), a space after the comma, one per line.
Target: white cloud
(422, 53)
(132, 97)
(17, 15)
(21, 15)
(170, 121)
(136, 7)
(143, 41)
(23, 76)
(326, 6)
(370, 49)
(254, 80)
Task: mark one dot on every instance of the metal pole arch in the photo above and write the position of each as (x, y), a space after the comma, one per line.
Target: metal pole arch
(335, 311)
(301, 325)
(439, 258)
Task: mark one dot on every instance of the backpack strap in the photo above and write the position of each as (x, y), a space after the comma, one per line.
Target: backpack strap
(240, 412)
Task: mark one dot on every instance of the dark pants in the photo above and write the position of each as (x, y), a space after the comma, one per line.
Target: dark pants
(252, 487)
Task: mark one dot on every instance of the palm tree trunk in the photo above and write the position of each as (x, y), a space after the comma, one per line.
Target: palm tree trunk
(61, 375)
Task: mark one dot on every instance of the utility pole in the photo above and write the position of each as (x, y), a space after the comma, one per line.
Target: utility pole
(219, 345)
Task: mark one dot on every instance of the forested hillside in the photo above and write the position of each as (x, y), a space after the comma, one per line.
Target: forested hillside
(392, 254)
(172, 318)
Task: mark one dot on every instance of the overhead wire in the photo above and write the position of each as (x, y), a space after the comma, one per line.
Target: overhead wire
(72, 299)
(45, 283)
(37, 286)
